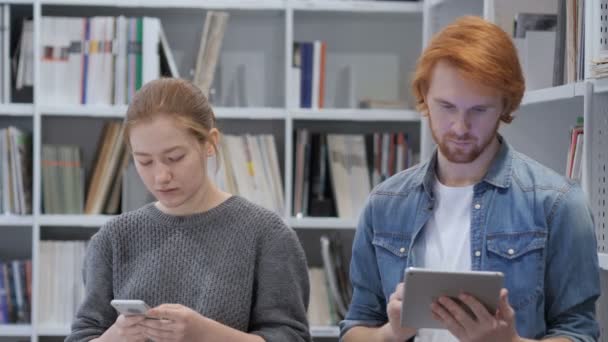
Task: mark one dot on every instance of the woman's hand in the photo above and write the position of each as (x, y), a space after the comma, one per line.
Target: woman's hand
(125, 329)
(175, 323)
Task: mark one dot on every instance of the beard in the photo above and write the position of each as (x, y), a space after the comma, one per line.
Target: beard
(471, 147)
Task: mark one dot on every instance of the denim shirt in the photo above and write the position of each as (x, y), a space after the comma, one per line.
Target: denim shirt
(527, 221)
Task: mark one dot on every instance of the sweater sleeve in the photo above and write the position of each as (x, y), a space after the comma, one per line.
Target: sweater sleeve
(95, 315)
(282, 289)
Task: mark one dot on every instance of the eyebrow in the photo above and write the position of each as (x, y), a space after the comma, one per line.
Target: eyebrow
(171, 149)
(486, 105)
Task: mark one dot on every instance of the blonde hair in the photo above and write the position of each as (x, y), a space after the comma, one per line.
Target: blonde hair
(177, 98)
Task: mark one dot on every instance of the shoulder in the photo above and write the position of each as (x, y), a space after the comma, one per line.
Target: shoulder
(398, 187)
(552, 190)
(118, 226)
(257, 217)
(403, 182)
(530, 175)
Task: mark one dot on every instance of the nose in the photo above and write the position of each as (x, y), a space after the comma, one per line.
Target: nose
(461, 124)
(162, 174)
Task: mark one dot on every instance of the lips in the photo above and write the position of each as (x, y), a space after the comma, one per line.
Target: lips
(166, 191)
(461, 143)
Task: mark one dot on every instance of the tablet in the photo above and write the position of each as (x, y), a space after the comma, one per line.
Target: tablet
(423, 286)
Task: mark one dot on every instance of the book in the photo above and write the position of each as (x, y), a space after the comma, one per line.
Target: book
(209, 49)
(533, 22)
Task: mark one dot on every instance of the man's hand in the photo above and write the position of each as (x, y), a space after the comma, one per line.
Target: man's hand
(393, 310)
(484, 326)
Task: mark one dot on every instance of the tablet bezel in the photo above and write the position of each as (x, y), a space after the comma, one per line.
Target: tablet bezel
(422, 286)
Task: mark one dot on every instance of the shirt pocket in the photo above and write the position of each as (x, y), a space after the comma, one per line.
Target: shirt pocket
(521, 257)
(391, 253)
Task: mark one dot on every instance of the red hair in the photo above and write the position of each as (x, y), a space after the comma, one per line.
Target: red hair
(483, 52)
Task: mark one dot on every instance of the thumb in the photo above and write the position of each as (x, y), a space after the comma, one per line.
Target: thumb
(505, 311)
(159, 312)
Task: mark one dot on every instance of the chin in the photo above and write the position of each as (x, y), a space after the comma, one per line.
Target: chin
(459, 157)
(170, 203)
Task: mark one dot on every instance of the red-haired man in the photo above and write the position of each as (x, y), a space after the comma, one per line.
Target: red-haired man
(477, 204)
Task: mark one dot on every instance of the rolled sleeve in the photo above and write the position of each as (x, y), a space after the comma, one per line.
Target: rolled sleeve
(572, 278)
(368, 304)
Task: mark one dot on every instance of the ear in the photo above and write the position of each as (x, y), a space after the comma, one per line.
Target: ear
(424, 102)
(213, 139)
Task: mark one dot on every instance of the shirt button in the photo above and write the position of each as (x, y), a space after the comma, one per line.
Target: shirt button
(477, 253)
(402, 250)
(477, 206)
(511, 251)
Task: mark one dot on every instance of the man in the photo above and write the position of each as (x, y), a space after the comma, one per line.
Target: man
(476, 205)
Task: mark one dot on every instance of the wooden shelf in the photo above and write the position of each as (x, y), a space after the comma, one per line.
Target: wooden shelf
(259, 113)
(356, 115)
(603, 258)
(357, 6)
(47, 330)
(101, 111)
(325, 331)
(17, 109)
(563, 92)
(16, 220)
(207, 4)
(18, 2)
(15, 330)
(322, 223)
(93, 221)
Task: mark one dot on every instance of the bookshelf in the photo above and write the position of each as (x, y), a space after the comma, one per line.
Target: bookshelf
(333, 5)
(53, 331)
(212, 4)
(91, 221)
(563, 92)
(603, 257)
(16, 220)
(360, 115)
(322, 223)
(24, 110)
(365, 38)
(259, 31)
(100, 111)
(547, 114)
(15, 330)
(325, 331)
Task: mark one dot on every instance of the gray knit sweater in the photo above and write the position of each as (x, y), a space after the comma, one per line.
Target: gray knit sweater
(238, 264)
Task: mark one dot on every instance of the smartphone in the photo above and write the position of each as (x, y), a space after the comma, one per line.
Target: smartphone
(131, 307)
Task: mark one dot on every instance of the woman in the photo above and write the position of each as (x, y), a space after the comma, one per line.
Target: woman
(213, 266)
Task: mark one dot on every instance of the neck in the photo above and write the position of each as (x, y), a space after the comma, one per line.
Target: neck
(209, 197)
(463, 174)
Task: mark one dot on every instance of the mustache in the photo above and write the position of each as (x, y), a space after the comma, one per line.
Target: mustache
(465, 137)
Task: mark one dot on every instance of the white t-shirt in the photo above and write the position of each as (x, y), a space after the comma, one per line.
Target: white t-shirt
(446, 241)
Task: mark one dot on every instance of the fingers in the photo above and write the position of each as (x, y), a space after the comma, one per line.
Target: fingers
(162, 325)
(444, 316)
(165, 311)
(480, 311)
(129, 321)
(159, 334)
(127, 327)
(505, 311)
(458, 313)
(398, 294)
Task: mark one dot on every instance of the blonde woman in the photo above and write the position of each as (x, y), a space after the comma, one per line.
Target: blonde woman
(214, 267)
